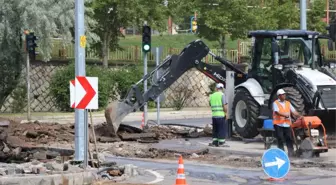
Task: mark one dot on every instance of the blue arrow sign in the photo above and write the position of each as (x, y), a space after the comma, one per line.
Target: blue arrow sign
(275, 163)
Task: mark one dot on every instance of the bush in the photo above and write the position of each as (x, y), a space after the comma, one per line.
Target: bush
(110, 83)
(59, 86)
(182, 95)
(19, 99)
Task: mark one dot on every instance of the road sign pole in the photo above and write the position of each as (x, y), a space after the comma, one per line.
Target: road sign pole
(86, 140)
(157, 61)
(145, 88)
(79, 71)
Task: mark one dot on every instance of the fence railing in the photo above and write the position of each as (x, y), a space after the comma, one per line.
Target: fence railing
(134, 53)
(131, 53)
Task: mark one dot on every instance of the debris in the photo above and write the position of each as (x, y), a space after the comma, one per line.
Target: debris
(114, 172)
(193, 155)
(126, 136)
(104, 139)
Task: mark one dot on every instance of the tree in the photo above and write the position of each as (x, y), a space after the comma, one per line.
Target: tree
(315, 16)
(112, 15)
(224, 17)
(47, 18)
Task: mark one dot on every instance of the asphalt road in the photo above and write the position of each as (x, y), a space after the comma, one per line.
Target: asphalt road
(164, 173)
(201, 122)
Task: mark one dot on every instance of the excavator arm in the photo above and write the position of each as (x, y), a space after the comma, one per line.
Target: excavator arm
(172, 68)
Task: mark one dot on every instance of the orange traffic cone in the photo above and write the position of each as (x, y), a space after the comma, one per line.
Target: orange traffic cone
(143, 121)
(180, 179)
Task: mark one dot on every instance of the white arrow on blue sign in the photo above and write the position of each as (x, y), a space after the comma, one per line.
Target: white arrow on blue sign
(275, 163)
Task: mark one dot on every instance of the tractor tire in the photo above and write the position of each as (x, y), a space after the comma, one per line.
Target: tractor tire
(245, 125)
(295, 98)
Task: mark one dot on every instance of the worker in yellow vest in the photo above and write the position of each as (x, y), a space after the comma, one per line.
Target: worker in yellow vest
(218, 108)
(282, 111)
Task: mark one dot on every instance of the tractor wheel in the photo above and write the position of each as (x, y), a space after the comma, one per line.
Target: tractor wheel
(295, 98)
(245, 114)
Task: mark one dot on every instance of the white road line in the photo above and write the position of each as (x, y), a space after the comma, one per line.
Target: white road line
(158, 176)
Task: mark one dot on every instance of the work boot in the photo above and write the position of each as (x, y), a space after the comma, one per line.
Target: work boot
(214, 143)
(222, 144)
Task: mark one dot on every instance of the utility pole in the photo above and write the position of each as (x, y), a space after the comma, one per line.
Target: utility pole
(157, 61)
(303, 14)
(146, 47)
(80, 114)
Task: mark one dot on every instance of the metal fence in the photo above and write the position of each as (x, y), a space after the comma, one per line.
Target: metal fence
(130, 54)
(134, 53)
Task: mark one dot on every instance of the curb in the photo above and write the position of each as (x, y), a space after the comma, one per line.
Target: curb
(64, 120)
(79, 178)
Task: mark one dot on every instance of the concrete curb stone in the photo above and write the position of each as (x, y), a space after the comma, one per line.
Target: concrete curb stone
(81, 178)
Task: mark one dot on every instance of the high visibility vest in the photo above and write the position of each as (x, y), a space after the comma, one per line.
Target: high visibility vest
(280, 119)
(217, 105)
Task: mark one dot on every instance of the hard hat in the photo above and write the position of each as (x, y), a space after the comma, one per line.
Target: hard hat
(280, 91)
(219, 85)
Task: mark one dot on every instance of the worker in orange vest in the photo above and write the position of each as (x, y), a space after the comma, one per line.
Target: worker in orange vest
(282, 111)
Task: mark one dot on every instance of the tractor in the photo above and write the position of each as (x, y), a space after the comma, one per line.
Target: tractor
(287, 59)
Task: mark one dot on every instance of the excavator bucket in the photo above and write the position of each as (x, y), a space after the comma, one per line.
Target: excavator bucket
(328, 118)
(115, 112)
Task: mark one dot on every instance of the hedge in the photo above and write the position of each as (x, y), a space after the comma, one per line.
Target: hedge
(110, 83)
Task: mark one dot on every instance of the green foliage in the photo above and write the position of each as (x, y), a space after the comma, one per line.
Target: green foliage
(125, 78)
(59, 86)
(110, 82)
(112, 15)
(19, 99)
(314, 17)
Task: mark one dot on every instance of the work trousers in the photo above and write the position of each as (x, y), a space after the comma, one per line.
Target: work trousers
(218, 130)
(284, 134)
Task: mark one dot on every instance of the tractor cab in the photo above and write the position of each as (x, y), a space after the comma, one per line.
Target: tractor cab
(274, 51)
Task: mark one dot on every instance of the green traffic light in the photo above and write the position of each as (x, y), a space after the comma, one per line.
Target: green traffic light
(146, 47)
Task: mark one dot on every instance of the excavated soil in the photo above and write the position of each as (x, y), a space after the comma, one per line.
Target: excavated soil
(16, 137)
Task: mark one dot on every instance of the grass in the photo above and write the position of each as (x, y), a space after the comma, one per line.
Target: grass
(172, 41)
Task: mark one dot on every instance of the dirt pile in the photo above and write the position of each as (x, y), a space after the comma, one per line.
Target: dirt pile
(42, 133)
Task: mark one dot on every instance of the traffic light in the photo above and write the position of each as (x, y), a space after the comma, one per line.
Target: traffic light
(332, 31)
(31, 44)
(146, 39)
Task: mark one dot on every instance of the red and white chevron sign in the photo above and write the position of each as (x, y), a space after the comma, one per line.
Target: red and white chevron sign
(84, 92)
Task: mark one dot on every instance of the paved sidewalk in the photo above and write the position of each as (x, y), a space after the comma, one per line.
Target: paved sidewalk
(98, 117)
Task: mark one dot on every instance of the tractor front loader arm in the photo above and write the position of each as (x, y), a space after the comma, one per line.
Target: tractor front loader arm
(172, 68)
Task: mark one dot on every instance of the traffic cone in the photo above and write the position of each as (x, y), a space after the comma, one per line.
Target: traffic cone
(180, 179)
(143, 121)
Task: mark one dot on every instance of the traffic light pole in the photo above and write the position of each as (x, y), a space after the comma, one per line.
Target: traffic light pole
(145, 88)
(28, 85)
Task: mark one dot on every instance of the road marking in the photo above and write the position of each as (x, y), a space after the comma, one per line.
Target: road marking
(158, 176)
